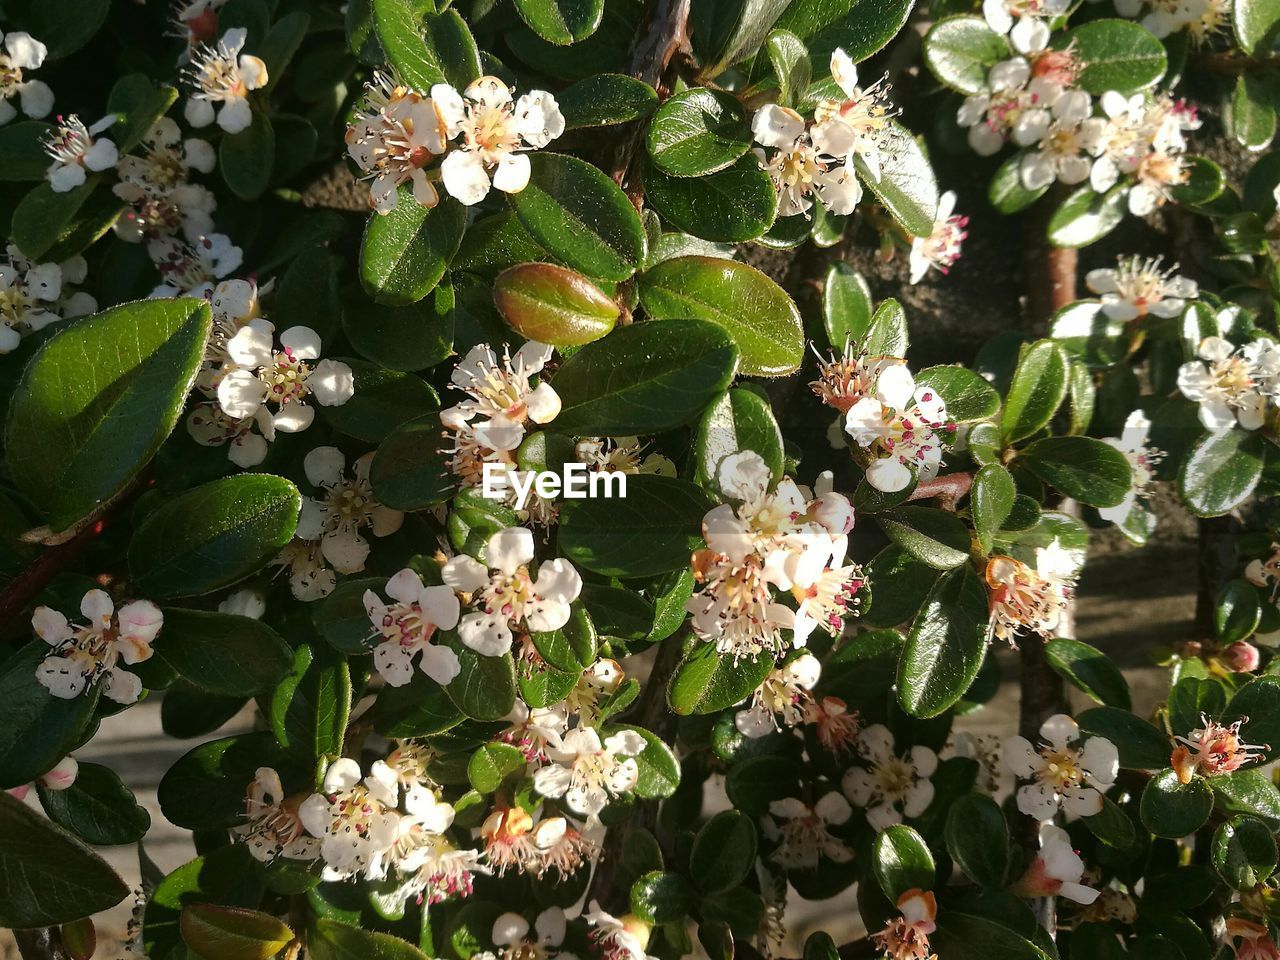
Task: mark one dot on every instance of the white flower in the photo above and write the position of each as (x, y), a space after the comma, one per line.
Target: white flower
(209, 426)
(1062, 774)
(420, 832)
(1057, 871)
(501, 395)
(494, 130)
(902, 427)
(21, 53)
(405, 628)
(1137, 287)
(588, 773)
(393, 135)
(1142, 458)
(835, 725)
(221, 74)
(29, 293)
(162, 201)
(1002, 15)
(857, 126)
(941, 248)
(283, 378)
(802, 837)
(76, 149)
(355, 819)
(907, 937)
(1026, 598)
(783, 693)
(615, 938)
(511, 935)
(61, 777)
(533, 731)
(1231, 385)
(85, 653)
(507, 596)
(890, 786)
(244, 603)
(438, 870)
(190, 269)
(345, 507)
(1062, 151)
(272, 827)
(310, 577)
(796, 169)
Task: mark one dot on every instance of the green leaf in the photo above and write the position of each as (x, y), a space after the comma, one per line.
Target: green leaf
(618, 612)
(1259, 700)
(723, 852)
(605, 99)
(421, 708)
(1141, 746)
(22, 155)
(906, 185)
(1221, 471)
(410, 468)
(54, 226)
(649, 532)
(789, 58)
(967, 395)
(1083, 468)
(334, 940)
(990, 500)
(37, 729)
(859, 27)
(1117, 55)
(977, 838)
(1085, 332)
(561, 21)
(946, 646)
(1006, 190)
(936, 537)
(846, 305)
(310, 708)
(68, 26)
(246, 158)
(47, 876)
(1237, 612)
(137, 103)
(98, 399)
(707, 681)
(660, 897)
(1113, 826)
(400, 30)
(644, 378)
(406, 338)
(383, 400)
(223, 654)
(659, 770)
(1244, 852)
(209, 537)
(1086, 216)
(887, 335)
(98, 808)
(762, 320)
(232, 933)
(581, 217)
(740, 420)
(1088, 669)
(491, 764)
(1255, 23)
(961, 50)
(1205, 183)
(1252, 117)
(205, 788)
(1249, 792)
(698, 132)
(731, 206)
(724, 33)
(554, 305)
(450, 44)
(1189, 698)
(1039, 386)
(964, 936)
(901, 862)
(404, 253)
(1173, 809)
(485, 687)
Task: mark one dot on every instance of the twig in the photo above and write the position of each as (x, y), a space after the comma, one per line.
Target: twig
(1233, 63)
(949, 489)
(40, 943)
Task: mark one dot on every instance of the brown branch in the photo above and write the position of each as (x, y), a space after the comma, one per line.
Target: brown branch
(1233, 63)
(949, 489)
(40, 943)
(666, 32)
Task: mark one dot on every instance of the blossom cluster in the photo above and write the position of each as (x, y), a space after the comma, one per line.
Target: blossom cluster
(1033, 101)
(482, 133)
(1233, 385)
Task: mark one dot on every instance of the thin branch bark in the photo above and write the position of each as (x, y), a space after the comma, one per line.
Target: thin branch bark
(40, 943)
(948, 489)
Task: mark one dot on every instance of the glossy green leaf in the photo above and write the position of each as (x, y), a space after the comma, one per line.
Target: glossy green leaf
(967, 395)
(658, 768)
(936, 537)
(1244, 852)
(977, 838)
(334, 940)
(723, 852)
(491, 764)
(66, 27)
(205, 788)
(1117, 55)
(98, 808)
(310, 708)
(37, 729)
(581, 217)
(1083, 468)
(762, 320)
(1259, 700)
(246, 158)
(1221, 471)
(47, 876)
(485, 687)
(232, 933)
(859, 27)
(561, 21)
(98, 399)
(1007, 192)
(707, 681)
(649, 532)
(383, 400)
(605, 99)
(410, 468)
(213, 535)
(731, 206)
(551, 304)
(1141, 746)
(906, 185)
(404, 253)
(990, 500)
(961, 50)
(846, 305)
(967, 936)
(1038, 389)
(405, 338)
(901, 861)
(1086, 216)
(1252, 117)
(1237, 611)
(698, 132)
(22, 155)
(946, 645)
(49, 226)
(644, 378)
(1088, 669)
(401, 29)
(740, 420)
(1255, 23)
(791, 66)
(1173, 809)
(137, 103)
(222, 653)
(1249, 791)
